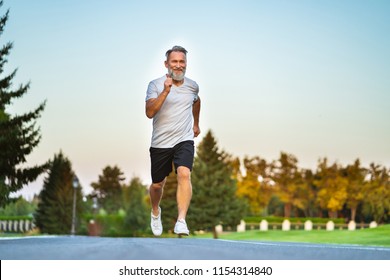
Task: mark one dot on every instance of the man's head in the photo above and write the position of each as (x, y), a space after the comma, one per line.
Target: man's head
(176, 62)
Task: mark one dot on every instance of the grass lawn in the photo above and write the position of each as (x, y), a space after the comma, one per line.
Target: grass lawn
(379, 236)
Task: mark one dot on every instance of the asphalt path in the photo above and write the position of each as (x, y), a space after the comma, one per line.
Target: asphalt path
(99, 248)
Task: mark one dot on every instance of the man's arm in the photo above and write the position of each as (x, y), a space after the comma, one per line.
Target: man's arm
(195, 113)
(153, 105)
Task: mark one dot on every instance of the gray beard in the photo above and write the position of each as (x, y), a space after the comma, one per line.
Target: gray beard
(177, 77)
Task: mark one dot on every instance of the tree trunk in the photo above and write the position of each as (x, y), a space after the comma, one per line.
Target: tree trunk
(215, 233)
(332, 214)
(353, 213)
(287, 210)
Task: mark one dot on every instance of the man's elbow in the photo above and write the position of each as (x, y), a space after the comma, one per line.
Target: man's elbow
(149, 114)
(196, 102)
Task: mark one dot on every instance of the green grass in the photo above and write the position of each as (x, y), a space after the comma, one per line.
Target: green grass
(379, 236)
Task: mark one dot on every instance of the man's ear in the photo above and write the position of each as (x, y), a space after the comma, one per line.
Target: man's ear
(166, 63)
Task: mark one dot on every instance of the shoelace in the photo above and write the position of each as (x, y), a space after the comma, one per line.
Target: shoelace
(155, 222)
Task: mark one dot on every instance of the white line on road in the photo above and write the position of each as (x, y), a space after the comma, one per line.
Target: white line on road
(26, 237)
(300, 245)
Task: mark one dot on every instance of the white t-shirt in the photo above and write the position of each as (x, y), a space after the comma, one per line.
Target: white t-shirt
(174, 122)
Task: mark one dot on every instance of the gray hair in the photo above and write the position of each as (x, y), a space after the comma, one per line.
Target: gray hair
(175, 49)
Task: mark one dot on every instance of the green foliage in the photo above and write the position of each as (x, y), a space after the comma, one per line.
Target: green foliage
(377, 194)
(112, 225)
(136, 219)
(19, 207)
(369, 236)
(15, 218)
(272, 219)
(18, 134)
(108, 189)
(55, 207)
(214, 199)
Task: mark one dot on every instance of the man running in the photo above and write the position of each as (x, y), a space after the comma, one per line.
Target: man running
(173, 103)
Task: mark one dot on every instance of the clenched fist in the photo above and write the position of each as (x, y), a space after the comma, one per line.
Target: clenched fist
(168, 83)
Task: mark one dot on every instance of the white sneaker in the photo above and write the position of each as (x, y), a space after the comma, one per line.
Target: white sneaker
(155, 223)
(181, 228)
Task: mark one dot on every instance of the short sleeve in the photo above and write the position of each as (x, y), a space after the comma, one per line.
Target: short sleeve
(196, 92)
(152, 91)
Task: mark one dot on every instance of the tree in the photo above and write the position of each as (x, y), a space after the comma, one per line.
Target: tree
(309, 194)
(137, 218)
(109, 189)
(18, 134)
(377, 195)
(55, 207)
(356, 185)
(19, 207)
(255, 186)
(288, 181)
(214, 198)
(332, 186)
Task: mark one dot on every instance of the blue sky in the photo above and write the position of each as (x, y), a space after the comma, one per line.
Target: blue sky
(310, 78)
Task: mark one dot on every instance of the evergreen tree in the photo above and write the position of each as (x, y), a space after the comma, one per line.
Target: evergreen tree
(214, 198)
(18, 134)
(55, 207)
(109, 189)
(137, 214)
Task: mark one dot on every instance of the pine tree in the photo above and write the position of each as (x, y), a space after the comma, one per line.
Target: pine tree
(55, 207)
(214, 198)
(109, 189)
(18, 134)
(137, 217)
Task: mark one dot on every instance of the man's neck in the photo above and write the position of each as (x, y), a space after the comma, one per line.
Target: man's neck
(178, 83)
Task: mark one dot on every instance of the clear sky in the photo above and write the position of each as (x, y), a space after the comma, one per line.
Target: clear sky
(310, 78)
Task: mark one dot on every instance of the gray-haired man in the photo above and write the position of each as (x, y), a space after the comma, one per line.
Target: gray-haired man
(173, 103)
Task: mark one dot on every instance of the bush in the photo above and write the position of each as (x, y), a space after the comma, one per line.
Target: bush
(16, 218)
(272, 219)
(111, 225)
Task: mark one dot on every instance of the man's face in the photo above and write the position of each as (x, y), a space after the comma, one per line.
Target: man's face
(176, 65)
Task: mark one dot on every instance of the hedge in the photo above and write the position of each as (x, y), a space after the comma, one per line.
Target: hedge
(272, 219)
(15, 218)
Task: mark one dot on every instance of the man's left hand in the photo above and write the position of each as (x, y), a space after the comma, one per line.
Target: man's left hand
(196, 130)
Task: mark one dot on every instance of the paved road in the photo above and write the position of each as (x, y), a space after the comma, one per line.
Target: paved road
(98, 248)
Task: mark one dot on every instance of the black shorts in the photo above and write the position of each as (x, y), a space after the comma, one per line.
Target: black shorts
(181, 154)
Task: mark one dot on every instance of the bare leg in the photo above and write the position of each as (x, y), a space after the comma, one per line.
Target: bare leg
(155, 193)
(184, 191)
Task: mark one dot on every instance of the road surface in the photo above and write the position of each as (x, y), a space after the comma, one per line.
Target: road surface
(99, 248)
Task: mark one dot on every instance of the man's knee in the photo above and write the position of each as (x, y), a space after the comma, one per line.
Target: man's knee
(183, 173)
(158, 186)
